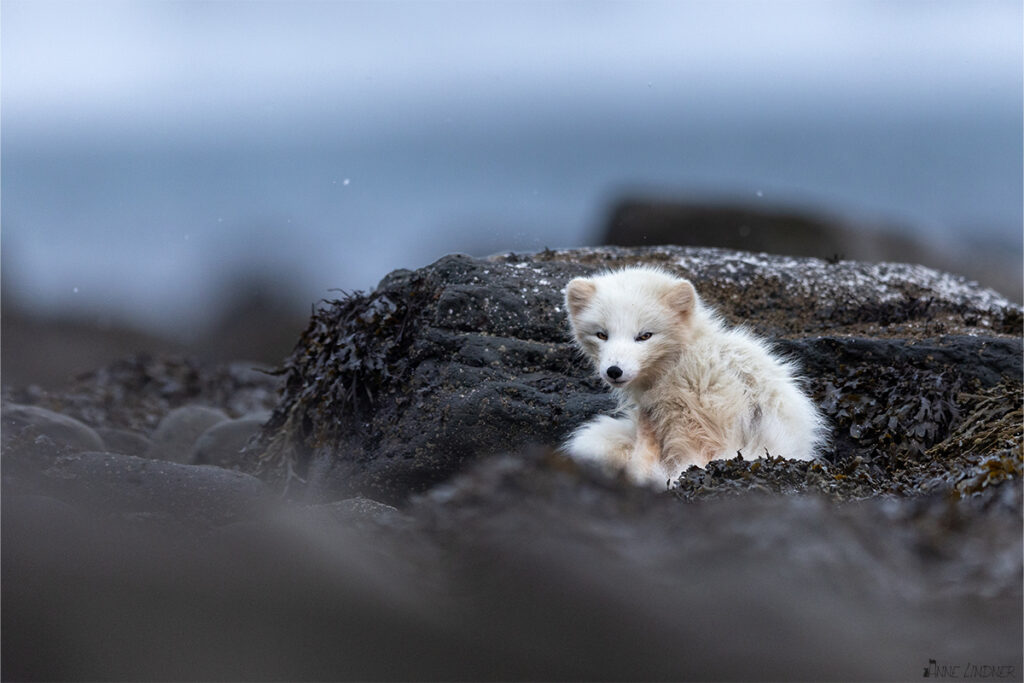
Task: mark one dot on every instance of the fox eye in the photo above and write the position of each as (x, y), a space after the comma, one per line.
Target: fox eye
(602, 336)
(645, 336)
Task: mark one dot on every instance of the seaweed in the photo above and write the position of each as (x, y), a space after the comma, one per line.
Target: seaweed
(903, 410)
(353, 349)
(967, 457)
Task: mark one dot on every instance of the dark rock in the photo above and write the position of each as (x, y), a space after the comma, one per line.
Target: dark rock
(135, 393)
(176, 435)
(125, 441)
(799, 232)
(278, 602)
(222, 444)
(45, 349)
(546, 545)
(639, 222)
(357, 510)
(46, 512)
(524, 568)
(391, 392)
(144, 489)
(20, 421)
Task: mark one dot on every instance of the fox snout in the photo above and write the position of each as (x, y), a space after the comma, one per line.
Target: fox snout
(616, 370)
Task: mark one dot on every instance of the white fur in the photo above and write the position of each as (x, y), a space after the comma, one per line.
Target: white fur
(691, 392)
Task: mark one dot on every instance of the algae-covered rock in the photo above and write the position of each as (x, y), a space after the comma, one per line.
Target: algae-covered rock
(392, 391)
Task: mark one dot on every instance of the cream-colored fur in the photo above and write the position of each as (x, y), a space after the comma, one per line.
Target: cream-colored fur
(690, 389)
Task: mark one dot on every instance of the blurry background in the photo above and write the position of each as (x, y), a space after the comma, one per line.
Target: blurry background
(194, 175)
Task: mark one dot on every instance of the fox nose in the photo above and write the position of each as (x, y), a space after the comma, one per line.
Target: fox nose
(614, 372)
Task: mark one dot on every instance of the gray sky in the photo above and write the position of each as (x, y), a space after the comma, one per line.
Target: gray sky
(66, 63)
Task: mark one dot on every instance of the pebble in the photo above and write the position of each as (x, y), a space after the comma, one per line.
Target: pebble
(177, 432)
(125, 441)
(141, 488)
(221, 444)
(62, 429)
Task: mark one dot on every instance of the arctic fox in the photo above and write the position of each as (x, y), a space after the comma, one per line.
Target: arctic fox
(691, 390)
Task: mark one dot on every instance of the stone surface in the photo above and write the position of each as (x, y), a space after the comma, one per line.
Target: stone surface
(222, 444)
(175, 437)
(782, 578)
(135, 393)
(391, 392)
(24, 421)
(125, 441)
(129, 486)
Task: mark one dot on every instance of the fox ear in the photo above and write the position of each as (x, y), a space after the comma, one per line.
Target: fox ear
(680, 297)
(578, 294)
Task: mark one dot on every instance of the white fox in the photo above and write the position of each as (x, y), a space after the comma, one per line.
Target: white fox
(691, 390)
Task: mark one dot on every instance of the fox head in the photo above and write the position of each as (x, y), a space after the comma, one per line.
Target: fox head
(632, 323)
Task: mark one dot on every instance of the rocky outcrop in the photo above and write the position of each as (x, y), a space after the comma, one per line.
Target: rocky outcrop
(422, 537)
(390, 392)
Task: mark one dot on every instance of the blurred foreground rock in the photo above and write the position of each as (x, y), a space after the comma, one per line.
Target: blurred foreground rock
(423, 537)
